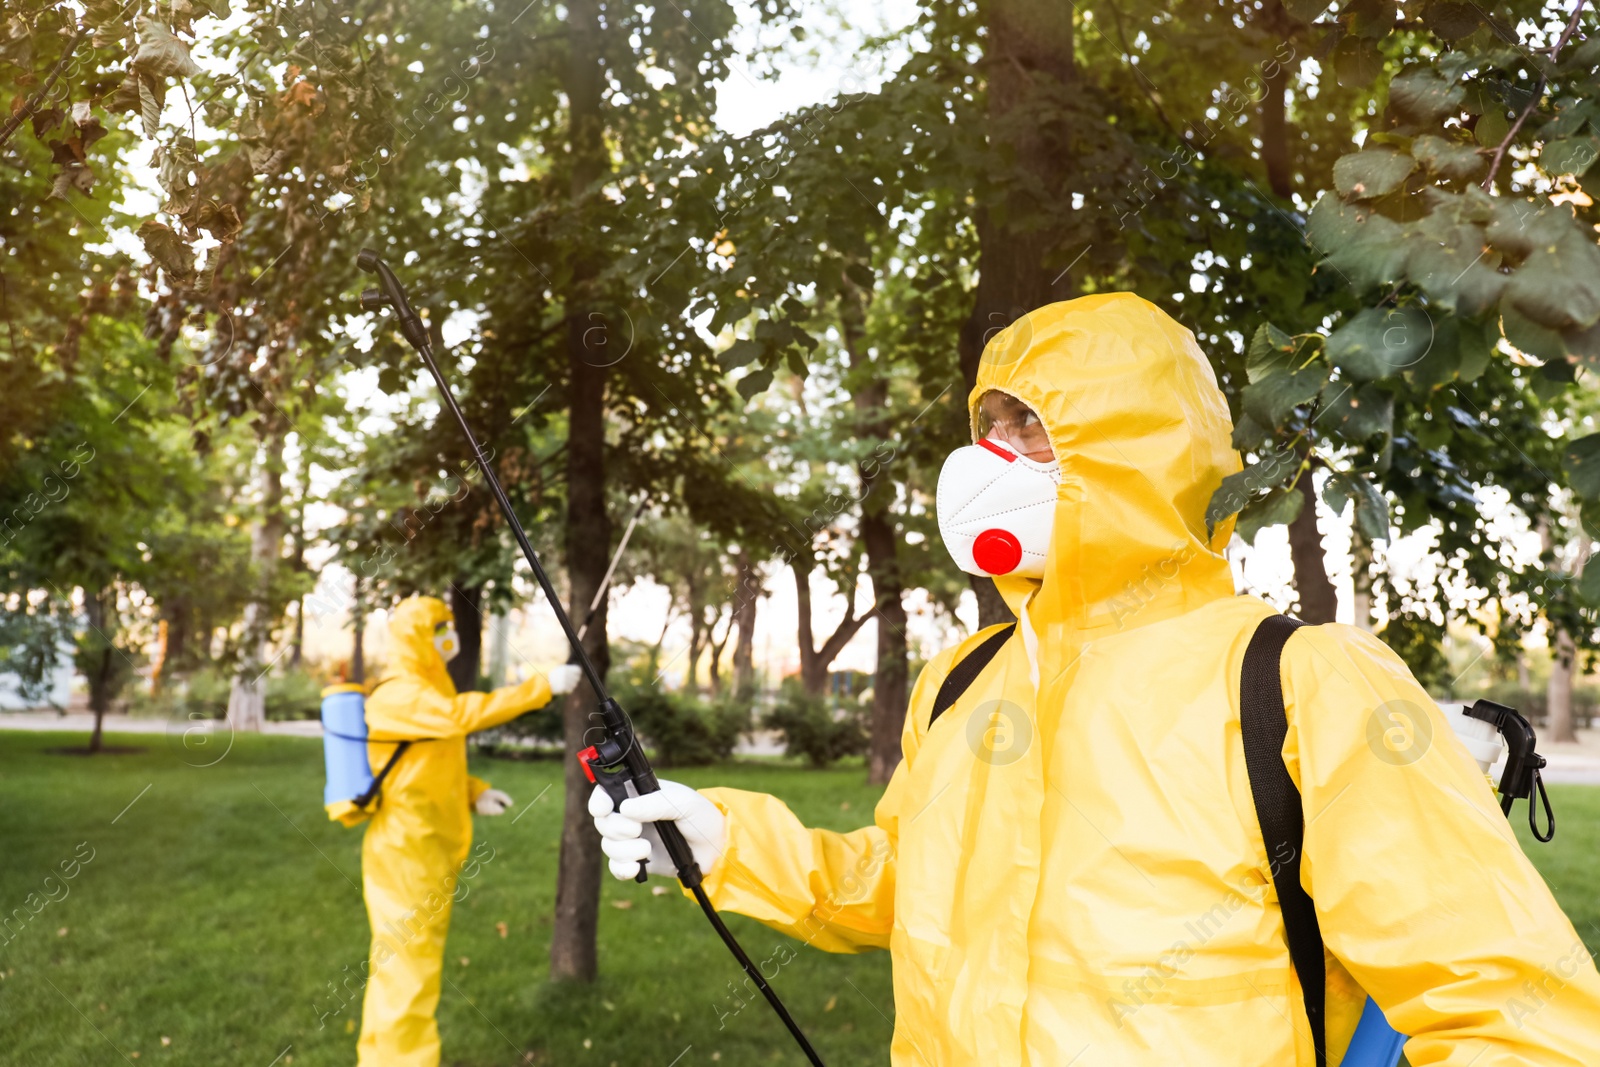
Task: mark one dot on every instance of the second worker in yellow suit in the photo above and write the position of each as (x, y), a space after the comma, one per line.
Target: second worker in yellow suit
(1066, 866)
(421, 829)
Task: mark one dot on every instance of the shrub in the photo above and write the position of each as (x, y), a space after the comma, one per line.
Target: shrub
(294, 694)
(205, 694)
(815, 730)
(684, 731)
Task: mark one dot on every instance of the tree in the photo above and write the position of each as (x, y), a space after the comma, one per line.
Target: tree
(1466, 262)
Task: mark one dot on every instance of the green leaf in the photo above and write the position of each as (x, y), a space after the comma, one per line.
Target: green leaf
(1570, 155)
(1581, 461)
(1443, 358)
(741, 353)
(1371, 173)
(1477, 341)
(1454, 265)
(1584, 344)
(1364, 248)
(1380, 341)
(1248, 434)
(1451, 20)
(1270, 350)
(1358, 415)
(1269, 401)
(1357, 63)
(1522, 227)
(755, 382)
(1528, 336)
(1589, 584)
(1589, 518)
(1450, 160)
(1559, 284)
(1492, 127)
(1422, 96)
(1280, 507)
(1239, 488)
(1305, 10)
(1372, 510)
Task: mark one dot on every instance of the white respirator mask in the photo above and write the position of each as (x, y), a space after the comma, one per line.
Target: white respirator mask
(997, 510)
(448, 642)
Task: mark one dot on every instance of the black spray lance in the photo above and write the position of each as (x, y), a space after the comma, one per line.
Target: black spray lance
(618, 761)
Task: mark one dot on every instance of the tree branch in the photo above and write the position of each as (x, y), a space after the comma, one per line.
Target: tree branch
(33, 105)
(1538, 94)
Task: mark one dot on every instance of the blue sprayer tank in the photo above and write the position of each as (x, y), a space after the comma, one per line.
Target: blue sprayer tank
(344, 743)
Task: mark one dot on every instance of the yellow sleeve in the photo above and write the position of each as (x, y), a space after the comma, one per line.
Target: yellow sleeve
(1422, 890)
(476, 787)
(834, 891)
(407, 708)
(479, 711)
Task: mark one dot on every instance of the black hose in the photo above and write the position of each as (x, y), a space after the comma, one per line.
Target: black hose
(755, 974)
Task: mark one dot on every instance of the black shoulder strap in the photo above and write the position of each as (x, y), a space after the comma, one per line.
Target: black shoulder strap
(966, 671)
(377, 783)
(1265, 724)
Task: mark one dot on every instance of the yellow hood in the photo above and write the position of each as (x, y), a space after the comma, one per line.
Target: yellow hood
(1144, 438)
(411, 648)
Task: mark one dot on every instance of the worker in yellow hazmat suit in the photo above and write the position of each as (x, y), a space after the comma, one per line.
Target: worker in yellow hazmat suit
(421, 829)
(1067, 865)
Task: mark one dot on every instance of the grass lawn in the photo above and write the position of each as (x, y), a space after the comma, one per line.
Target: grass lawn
(220, 910)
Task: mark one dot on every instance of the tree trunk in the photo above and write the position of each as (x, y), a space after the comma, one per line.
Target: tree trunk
(1275, 134)
(1276, 141)
(889, 681)
(814, 661)
(1361, 578)
(697, 644)
(247, 703)
(812, 674)
(1558, 691)
(744, 617)
(1029, 54)
(1319, 601)
(499, 648)
(1564, 654)
(100, 677)
(466, 603)
(588, 528)
(714, 661)
(881, 540)
(358, 639)
(297, 647)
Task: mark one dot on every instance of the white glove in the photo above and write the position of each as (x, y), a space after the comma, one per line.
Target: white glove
(563, 679)
(626, 838)
(492, 802)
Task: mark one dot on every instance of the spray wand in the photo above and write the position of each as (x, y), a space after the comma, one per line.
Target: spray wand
(617, 761)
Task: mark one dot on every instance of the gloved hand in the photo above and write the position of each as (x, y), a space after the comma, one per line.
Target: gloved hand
(492, 802)
(564, 679)
(626, 838)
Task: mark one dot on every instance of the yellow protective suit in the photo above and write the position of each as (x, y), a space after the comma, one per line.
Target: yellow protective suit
(1075, 875)
(421, 831)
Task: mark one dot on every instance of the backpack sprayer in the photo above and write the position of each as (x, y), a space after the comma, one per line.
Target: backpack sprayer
(618, 761)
